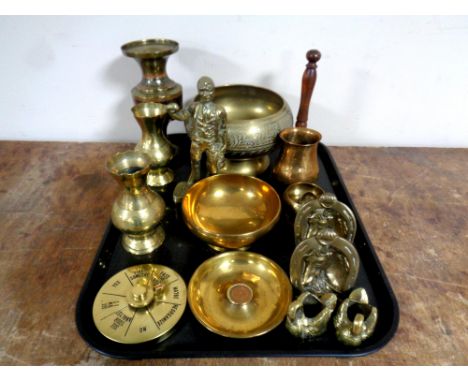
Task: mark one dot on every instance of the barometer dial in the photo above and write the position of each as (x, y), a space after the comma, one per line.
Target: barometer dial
(140, 304)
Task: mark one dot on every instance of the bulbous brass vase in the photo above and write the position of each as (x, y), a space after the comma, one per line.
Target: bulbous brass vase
(153, 119)
(137, 211)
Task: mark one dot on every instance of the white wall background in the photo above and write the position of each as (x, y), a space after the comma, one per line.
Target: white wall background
(391, 81)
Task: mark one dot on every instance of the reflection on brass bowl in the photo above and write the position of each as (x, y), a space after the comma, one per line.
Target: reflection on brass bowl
(231, 210)
(239, 294)
(255, 116)
(301, 192)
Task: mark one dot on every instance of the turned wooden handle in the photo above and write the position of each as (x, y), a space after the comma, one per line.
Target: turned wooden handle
(308, 82)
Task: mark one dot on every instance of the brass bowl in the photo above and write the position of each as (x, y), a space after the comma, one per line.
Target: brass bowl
(255, 116)
(239, 294)
(230, 210)
(298, 193)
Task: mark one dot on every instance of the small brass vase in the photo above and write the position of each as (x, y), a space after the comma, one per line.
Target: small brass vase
(155, 86)
(153, 119)
(298, 161)
(137, 211)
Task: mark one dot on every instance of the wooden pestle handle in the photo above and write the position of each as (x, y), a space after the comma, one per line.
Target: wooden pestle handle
(308, 82)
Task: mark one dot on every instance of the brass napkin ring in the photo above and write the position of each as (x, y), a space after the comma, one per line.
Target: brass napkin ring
(363, 324)
(304, 327)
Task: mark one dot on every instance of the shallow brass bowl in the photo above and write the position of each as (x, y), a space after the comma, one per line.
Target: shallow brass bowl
(239, 294)
(298, 193)
(255, 116)
(231, 210)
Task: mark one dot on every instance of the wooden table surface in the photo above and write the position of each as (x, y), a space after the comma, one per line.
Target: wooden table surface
(55, 201)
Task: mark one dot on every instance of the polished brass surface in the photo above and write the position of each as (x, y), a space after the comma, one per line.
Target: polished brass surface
(255, 116)
(305, 327)
(298, 160)
(205, 122)
(362, 326)
(152, 55)
(324, 212)
(179, 192)
(239, 294)
(153, 119)
(159, 178)
(299, 193)
(231, 210)
(324, 263)
(140, 304)
(137, 211)
(246, 166)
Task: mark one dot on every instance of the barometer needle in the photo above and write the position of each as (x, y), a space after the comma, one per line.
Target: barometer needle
(110, 314)
(113, 294)
(128, 278)
(149, 312)
(125, 335)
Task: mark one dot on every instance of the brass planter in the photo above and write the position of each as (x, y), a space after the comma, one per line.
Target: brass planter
(239, 294)
(255, 116)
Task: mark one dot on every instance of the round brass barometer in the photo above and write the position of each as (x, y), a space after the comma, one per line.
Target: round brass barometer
(140, 304)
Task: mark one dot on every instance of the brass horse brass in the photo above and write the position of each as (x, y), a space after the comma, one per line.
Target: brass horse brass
(324, 212)
(324, 263)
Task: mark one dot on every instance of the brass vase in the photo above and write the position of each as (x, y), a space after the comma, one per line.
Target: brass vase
(153, 119)
(137, 211)
(298, 161)
(155, 86)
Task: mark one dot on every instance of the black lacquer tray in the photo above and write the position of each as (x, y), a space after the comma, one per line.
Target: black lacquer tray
(183, 252)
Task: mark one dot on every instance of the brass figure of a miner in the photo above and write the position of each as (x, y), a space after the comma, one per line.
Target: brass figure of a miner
(205, 122)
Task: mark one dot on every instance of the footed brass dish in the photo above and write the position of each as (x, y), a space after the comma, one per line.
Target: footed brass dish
(239, 294)
(231, 210)
(299, 193)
